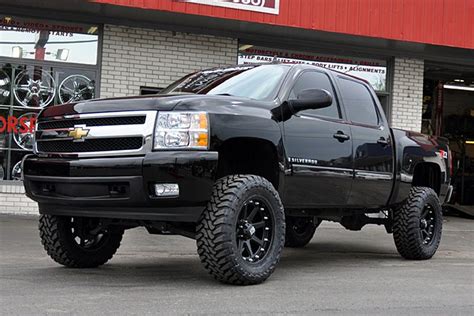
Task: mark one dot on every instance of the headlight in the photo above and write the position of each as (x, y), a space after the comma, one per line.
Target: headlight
(182, 130)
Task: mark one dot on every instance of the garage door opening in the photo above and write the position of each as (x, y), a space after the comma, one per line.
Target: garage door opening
(448, 111)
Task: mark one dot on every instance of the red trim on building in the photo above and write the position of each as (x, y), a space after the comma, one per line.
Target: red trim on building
(437, 22)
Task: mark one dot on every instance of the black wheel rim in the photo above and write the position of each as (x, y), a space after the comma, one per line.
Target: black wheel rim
(254, 230)
(87, 233)
(427, 224)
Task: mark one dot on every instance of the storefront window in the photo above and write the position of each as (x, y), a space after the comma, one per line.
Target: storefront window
(42, 63)
(372, 70)
(48, 40)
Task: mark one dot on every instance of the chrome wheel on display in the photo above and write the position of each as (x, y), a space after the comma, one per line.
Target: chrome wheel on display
(75, 88)
(25, 139)
(17, 171)
(4, 88)
(34, 89)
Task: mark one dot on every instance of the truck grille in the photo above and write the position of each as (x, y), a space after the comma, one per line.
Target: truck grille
(102, 121)
(97, 134)
(100, 144)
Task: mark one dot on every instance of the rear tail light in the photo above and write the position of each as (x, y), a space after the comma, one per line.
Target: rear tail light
(450, 158)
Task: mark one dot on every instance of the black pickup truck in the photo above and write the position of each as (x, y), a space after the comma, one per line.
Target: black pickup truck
(245, 159)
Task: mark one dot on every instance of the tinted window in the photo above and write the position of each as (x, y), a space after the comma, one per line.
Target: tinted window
(316, 80)
(358, 102)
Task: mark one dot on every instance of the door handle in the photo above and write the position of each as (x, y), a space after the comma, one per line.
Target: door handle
(382, 141)
(340, 136)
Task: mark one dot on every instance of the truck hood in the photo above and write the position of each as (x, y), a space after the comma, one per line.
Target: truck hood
(153, 102)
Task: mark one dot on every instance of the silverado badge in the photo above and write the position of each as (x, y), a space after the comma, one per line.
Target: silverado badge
(78, 133)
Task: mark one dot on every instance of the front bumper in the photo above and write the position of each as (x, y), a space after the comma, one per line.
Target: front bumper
(122, 187)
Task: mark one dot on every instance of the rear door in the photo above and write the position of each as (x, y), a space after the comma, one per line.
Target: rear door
(372, 145)
(319, 148)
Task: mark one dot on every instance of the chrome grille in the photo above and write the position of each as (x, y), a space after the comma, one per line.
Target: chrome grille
(101, 134)
(101, 121)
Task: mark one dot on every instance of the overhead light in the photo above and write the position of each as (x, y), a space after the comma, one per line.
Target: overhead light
(458, 80)
(92, 30)
(455, 87)
(17, 52)
(62, 54)
(469, 142)
(245, 47)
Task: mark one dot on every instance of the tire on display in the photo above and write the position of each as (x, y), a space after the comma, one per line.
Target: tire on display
(241, 233)
(300, 230)
(78, 242)
(417, 224)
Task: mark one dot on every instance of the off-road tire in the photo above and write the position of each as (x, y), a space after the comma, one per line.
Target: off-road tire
(59, 244)
(216, 230)
(406, 224)
(300, 231)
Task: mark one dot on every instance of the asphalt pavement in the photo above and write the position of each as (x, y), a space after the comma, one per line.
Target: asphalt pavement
(339, 272)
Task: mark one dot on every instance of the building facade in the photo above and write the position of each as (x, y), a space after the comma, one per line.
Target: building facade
(53, 54)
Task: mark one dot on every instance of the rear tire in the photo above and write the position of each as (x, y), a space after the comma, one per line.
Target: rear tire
(78, 242)
(300, 230)
(241, 232)
(417, 224)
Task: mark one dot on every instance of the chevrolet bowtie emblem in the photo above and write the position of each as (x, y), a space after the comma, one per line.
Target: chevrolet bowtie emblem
(78, 133)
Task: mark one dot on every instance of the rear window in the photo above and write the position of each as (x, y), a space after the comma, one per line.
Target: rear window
(358, 101)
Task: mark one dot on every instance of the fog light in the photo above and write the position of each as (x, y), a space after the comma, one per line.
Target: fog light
(167, 189)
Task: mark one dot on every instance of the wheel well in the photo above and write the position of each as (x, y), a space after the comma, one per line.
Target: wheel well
(249, 156)
(427, 174)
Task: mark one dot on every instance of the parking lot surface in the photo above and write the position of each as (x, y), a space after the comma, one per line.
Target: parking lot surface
(339, 272)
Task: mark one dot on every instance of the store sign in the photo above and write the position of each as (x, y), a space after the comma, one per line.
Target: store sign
(373, 71)
(265, 6)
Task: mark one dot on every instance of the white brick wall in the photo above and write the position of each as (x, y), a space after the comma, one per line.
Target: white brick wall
(14, 201)
(407, 102)
(134, 57)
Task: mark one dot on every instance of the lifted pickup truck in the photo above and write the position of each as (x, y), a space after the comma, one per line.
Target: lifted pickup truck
(245, 159)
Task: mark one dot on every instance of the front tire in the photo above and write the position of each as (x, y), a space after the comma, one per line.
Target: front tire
(78, 242)
(417, 224)
(300, 230)
(241, 232)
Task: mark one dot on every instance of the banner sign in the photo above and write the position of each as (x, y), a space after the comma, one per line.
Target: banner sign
(373, 71)
(265, 6)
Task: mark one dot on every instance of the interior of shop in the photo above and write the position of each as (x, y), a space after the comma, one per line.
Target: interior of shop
(448, 111)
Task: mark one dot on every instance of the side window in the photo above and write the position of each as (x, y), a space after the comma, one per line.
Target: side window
(316, 80)
(358, 102)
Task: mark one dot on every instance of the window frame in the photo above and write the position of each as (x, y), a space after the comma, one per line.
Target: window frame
(334, 94)
(380, 120)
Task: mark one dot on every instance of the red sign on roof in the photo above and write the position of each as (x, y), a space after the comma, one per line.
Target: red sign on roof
(265, 6)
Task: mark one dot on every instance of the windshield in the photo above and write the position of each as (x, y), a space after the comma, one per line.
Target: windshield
(254, 82)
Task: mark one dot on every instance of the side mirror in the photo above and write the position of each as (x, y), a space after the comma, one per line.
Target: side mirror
(310, 99)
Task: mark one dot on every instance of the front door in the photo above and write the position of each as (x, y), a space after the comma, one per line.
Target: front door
(319, 148)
